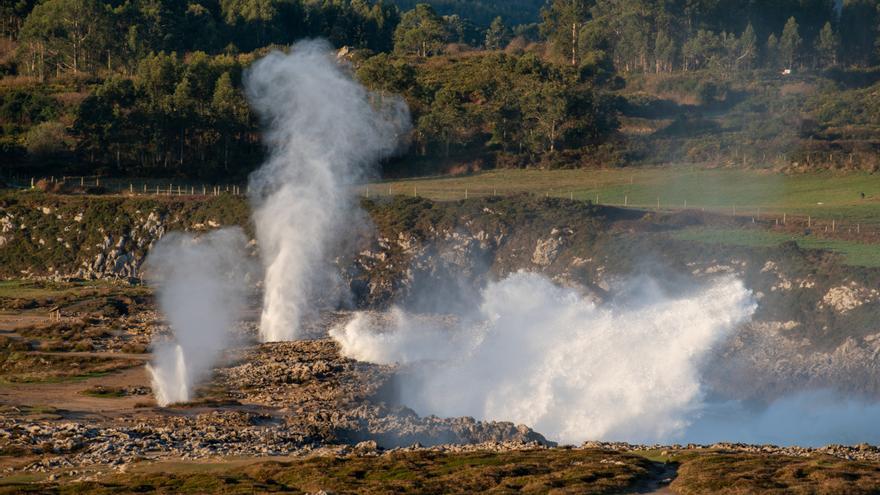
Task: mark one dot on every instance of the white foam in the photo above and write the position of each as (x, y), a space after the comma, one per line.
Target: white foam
(544, 356)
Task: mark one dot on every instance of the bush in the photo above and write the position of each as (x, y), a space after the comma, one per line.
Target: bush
(49, 139)
(707, 92)
(25, 107)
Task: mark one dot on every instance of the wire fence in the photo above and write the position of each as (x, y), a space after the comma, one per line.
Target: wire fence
(770, 217)
(780, 219)
(133, 186)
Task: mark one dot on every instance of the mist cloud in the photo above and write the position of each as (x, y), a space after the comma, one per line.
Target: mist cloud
(324, 132)
(201, 286)
(544, 356)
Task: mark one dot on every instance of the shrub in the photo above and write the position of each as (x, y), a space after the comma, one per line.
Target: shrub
(24, 106)
(48, 139)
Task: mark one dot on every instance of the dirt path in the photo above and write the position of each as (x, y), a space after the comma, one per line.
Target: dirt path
(10, 322)
(659, 483)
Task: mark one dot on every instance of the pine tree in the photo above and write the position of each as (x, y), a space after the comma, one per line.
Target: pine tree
(748, 47)
(421, 31)
(230, 111)
(496, 35)
(827, 46)
(772, 52)
(664, 52)
(790, 43)
(563, 21)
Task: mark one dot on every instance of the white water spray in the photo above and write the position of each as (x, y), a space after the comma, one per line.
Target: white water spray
(542, 355)
(324, 132)
(200, 284)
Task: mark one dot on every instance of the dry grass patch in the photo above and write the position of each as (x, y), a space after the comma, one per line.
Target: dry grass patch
(759, 474)
(538, 471)
(28, 367)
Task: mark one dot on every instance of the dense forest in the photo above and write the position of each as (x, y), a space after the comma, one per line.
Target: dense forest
(153, 87)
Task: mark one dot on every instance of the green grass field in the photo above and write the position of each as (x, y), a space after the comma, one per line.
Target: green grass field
(854, 253)
(821, 195)
(39, 289)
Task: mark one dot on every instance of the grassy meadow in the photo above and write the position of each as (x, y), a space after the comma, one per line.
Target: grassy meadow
(854, 253)
(825, 195)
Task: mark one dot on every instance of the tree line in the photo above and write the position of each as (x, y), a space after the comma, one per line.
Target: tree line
(519, 107)
(57, 37)
(667, 36)
(154, 86)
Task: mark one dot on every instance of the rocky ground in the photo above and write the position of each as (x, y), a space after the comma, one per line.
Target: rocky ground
(76, 404)
(284, 400)
(276, 399)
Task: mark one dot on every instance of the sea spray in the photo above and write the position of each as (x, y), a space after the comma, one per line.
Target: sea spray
(201, 284)
(324, 132)
(544, 356)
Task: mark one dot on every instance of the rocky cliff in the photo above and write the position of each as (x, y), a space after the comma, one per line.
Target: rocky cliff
(817, 324)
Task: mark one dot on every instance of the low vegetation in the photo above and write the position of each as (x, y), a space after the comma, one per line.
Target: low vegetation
(105, 392)
(849, 198)
(559, 471)
(741, 473)
(53, 223)
(854, 253)
(30, 367)
(537, 471)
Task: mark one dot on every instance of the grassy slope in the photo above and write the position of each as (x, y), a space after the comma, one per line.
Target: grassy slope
(855, 253)
(722, 473)
(822, 195)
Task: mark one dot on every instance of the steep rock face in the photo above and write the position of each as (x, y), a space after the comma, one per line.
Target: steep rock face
(415, 246)
(766, 360)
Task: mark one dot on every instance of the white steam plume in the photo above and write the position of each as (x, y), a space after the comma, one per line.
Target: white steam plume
(545, 356)
(200, 284)
(324, 132)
